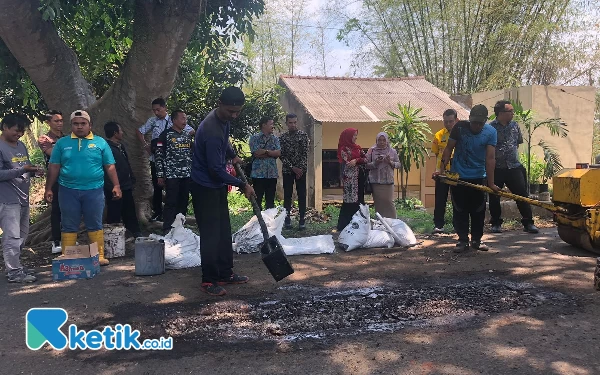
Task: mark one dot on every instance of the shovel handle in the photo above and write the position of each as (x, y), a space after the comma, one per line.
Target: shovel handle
(255, 207)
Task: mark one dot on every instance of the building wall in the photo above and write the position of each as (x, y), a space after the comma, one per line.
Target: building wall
(573, 104)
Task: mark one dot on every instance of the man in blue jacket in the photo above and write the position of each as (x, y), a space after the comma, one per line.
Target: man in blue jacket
(209, 183)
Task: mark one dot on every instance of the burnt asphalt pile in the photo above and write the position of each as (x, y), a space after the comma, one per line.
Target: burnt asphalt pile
(309, 312)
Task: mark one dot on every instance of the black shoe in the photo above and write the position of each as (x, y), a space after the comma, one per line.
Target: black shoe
(461, 247)
(530, 228)
(438, 230)
(213, 289)
(156, 218)
(234, 279)
(302, 225)
(478, 245)
(288, 223)
(497, 228)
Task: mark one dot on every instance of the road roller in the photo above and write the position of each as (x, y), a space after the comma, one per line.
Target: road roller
(575, 204)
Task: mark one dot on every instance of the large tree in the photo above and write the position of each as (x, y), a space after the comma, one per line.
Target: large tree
(111, 58)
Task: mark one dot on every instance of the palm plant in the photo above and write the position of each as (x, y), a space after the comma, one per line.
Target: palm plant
(556, 128)
(408, 135)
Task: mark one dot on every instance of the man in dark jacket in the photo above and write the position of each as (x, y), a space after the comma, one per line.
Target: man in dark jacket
(124, 207)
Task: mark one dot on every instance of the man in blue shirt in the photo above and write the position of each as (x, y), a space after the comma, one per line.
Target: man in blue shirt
(209, 183)
(474, 144)
(265, 149)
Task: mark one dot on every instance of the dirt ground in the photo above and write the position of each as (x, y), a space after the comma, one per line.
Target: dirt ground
(528, 306)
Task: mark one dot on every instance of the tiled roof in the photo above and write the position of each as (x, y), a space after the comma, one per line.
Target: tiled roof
(335, 99)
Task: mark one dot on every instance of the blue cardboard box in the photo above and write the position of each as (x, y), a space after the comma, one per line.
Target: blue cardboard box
(78, 262)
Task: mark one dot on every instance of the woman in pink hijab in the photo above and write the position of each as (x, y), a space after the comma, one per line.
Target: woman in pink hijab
(381, 162)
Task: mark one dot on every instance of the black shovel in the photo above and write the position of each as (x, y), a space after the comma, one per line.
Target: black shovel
(272, 253)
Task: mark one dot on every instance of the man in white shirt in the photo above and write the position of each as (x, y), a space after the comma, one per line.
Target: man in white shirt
(156, 125)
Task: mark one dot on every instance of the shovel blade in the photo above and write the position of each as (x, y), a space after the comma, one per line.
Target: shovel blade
(275, 259)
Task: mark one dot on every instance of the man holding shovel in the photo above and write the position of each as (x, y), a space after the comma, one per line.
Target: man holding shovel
(209, 183)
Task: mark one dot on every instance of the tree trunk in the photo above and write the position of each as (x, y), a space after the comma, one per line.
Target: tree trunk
(50, 63)
(160, 36)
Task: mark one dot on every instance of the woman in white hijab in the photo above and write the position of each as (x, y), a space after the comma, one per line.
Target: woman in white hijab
(381, 162)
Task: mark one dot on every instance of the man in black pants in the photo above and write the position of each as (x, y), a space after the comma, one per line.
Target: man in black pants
(294, 156)
(474, 144)
(173, 167)
(156, 125)
(46, 143)
(124, 208)
(440, 140)
(265, 151)
(209, 192)
(509, 170)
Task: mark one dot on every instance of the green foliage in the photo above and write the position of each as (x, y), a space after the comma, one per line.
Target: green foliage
(551, 158)
(537, 168)
(408, 204)
(409, 136)
(469, 46)
(100, 32)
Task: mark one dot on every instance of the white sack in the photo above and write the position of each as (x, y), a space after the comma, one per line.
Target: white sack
(356, 233)
(379, 238)
(249, 238)
(308, 245)
(182, 246)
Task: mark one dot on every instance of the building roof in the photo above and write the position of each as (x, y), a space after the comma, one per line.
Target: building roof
(337, 99)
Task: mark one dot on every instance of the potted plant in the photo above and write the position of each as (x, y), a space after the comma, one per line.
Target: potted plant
(536, 171)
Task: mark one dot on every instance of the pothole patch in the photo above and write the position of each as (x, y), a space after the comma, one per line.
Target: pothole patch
(302, 312)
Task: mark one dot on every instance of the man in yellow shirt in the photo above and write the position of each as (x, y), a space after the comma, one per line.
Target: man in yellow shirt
(440, 140)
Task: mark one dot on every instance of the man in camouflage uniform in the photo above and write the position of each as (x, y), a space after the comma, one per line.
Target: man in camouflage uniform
(155, 126)
(173, 167)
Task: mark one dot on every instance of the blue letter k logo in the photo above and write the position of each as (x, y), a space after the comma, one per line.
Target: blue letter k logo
(43, 325)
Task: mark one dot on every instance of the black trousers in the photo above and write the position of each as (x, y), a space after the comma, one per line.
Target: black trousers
(349, 209)
(176, 200)
(441, 197)
(288, 189)
(212, 215)
(55, 215)
(157, 198)
(265, 187)
(122, 209)
(514, 179)
(468, 203)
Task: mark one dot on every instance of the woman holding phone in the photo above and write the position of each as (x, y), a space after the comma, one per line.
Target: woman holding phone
(381, 162)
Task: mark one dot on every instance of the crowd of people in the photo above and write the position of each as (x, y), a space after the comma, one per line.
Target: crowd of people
(87, 173)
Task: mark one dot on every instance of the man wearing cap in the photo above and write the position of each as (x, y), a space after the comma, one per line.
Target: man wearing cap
(79, 162)
(156, 125)
(209, 183)
(473, 143)
(509, 170)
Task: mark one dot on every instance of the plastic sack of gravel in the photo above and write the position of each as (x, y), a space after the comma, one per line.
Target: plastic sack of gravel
(379, 238)
(182, 246)
(308, 245)
(249, 238)
(403, 235)
(356, 233)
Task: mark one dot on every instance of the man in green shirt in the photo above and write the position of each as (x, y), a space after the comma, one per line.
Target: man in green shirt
(79, 162)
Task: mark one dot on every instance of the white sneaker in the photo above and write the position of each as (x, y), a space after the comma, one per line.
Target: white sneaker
(56, 248)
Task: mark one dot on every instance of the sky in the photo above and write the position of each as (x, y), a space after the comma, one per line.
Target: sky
(339, 56)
